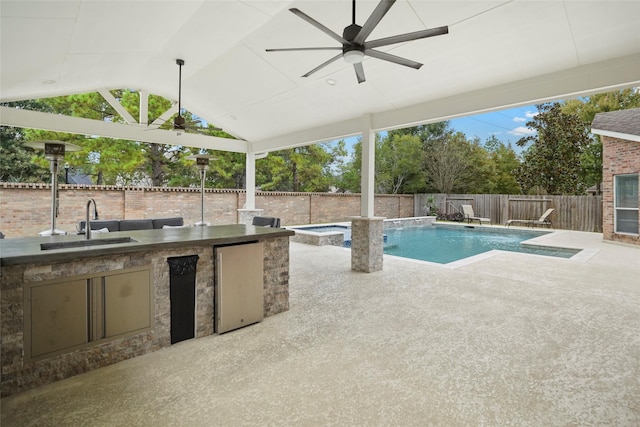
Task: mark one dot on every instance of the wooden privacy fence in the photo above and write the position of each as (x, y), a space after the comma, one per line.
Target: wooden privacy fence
(581, 213)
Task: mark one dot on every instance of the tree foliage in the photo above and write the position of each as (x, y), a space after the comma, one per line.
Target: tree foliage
(399, 161)
(586, 109)
(17, 161)
(559, 159)
(308, 169)
(428, 158)
(503, 162)
(551, 161)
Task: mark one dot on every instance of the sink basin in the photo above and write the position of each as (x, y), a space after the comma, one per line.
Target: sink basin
(83, 243)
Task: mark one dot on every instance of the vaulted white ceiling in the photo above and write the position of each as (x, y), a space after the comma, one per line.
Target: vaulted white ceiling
(497, 54)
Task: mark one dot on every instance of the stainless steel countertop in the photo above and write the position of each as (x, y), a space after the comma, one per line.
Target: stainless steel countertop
(27, 250)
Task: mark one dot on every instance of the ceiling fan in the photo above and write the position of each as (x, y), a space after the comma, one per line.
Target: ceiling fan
(354, 45)
(180, 124)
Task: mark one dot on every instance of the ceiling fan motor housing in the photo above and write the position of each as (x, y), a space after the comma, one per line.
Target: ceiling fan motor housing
(179, 122)
(349, 34)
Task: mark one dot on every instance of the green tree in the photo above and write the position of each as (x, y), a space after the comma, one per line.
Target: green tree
(349, 173)
(451, 162)
(454, 164)
(16, 160)
(112, 161)
(426, 132)
(226, 170)
(308, 168)
(108, 161)
(504, 162)
(552, 160)
(586, 109)
(399, 164)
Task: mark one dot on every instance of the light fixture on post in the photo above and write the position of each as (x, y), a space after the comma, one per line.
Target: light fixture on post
(202, 161)
(54, 152)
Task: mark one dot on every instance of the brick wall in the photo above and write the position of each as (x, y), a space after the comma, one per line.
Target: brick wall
(619, 156)
(25, 209)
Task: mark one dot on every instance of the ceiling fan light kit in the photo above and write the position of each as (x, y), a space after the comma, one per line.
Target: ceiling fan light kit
(353, 56)
(354, 44)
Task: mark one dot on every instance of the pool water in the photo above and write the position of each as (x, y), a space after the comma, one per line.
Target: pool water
(448, 244)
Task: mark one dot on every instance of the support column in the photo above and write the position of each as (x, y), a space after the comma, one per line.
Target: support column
(366, 230)
(366, 244)
(367, 180)
(250, 181)
(246, 214)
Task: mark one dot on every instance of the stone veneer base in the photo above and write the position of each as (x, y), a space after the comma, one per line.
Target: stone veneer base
(245, 216)
(367, 244)
(19, 376)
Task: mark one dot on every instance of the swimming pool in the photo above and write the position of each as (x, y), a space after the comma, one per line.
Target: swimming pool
(445, 244)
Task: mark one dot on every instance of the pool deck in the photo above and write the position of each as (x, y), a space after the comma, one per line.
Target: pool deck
(505, 339)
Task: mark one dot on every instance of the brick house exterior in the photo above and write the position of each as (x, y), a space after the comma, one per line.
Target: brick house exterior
(620, 133)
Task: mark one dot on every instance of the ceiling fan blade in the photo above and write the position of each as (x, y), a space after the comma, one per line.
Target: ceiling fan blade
(324, 64)
(291, 49)
(318, 25)
(359, 71)
(376, 16)
(407, 37)
(392, 58)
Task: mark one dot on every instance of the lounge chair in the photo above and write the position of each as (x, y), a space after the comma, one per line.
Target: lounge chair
(470, 216)
(543, 220)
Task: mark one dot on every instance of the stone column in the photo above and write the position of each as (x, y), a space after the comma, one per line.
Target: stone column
(245, 216)
(366, 244)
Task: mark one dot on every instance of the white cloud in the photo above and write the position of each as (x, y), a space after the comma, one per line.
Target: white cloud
(522, 131)
(527, 116)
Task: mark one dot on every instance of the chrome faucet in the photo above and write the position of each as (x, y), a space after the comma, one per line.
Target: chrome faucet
(87, 223)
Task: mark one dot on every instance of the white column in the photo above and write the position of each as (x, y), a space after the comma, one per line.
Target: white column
(368, 168)
(250, 180)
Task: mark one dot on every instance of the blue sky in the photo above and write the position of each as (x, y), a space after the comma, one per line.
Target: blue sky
(506, 125)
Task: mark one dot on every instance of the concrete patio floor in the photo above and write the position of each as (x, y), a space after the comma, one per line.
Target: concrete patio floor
(509, 339)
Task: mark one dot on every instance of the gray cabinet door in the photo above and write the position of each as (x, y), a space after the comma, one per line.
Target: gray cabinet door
(80, 311)
(239, 286)
(58, 316)
(127, 302)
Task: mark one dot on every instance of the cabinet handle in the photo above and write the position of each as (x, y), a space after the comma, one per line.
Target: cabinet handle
(219, 273)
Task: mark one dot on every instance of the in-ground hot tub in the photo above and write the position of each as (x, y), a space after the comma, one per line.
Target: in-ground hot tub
(337, 234)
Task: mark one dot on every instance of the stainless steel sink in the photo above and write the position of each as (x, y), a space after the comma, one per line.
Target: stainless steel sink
(83, 243)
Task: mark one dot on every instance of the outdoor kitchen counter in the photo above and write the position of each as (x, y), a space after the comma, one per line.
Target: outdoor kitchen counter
(68, 311)
(27, 250)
